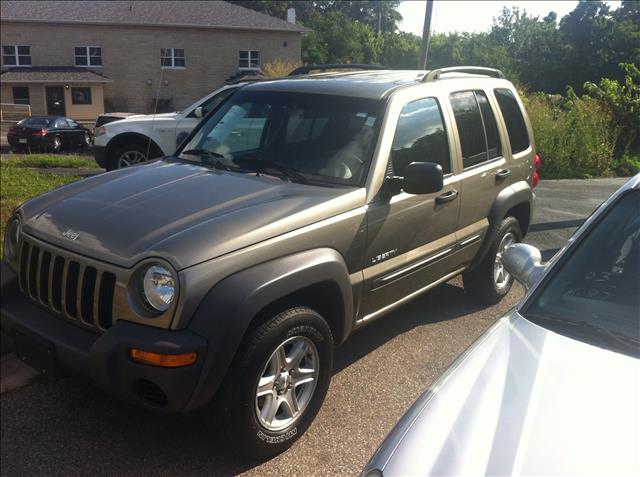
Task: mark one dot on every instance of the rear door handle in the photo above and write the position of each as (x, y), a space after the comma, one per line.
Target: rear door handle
(447, 196)
(503, 173)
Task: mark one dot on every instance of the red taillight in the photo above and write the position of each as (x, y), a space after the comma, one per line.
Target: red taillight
(41, 132)
(536, 174)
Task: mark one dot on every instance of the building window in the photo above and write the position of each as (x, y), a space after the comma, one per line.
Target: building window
(88, 56)
(20, 95)
(81, 95)
(172, 58)
(14, 55)
(249, 60)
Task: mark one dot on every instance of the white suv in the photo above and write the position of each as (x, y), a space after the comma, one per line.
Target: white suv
(147, 136)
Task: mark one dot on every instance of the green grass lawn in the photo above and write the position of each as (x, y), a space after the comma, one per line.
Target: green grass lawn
(19, 182)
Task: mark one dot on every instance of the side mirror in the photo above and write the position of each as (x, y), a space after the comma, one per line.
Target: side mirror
(524, 262)
(419, 178)
(198, 112)
(181, 137)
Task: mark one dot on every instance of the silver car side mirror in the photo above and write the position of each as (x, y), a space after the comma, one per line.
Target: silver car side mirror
(198, 112)
(524, 262)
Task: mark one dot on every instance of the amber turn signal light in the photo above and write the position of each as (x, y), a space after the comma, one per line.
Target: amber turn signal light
(163, 360)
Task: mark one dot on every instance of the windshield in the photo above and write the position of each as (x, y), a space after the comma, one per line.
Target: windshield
(324, 138)
(595, 295)
(35, 122)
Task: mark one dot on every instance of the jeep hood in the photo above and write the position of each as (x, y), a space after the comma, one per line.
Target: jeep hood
(524, 401)
(142, 118)
(182, 212)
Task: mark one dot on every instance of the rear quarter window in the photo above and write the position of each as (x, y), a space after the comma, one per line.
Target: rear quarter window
(512, 114)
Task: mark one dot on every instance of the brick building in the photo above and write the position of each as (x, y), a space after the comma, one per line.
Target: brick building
(80, 58)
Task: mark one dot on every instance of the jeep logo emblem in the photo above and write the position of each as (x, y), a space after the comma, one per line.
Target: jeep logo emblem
(71, 234)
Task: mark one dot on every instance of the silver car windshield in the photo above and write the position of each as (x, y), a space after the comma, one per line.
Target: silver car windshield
(320, 137)
(595, 294)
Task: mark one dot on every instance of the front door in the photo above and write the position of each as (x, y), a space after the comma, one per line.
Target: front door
(412, 238)
(55, 100)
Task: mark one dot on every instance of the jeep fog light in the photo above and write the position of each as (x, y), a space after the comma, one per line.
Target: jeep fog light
(158, 287)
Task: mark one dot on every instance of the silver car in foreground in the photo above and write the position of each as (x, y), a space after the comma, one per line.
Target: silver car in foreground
(553, 388)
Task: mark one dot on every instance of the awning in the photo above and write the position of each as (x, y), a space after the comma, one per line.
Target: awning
(52, 74)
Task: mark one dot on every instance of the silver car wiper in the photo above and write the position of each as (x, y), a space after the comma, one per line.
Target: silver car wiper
(209, 158)
(268, 164)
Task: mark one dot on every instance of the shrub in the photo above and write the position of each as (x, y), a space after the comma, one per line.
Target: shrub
(280, 67)
(575, 136)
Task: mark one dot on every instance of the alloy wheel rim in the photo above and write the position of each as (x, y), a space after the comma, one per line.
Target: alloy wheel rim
(501, 276)
(130, 158)
(287, 383)
(57, 143)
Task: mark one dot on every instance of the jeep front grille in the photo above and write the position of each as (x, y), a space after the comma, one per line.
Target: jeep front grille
(67, 286)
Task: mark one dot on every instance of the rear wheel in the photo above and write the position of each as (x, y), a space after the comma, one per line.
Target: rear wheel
(489, 282)
(56, 144)
(274, 390)
(128, 155)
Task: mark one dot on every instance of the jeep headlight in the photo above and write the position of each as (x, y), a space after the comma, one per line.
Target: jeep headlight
(158, 287)
(11, 239)
(99, 131)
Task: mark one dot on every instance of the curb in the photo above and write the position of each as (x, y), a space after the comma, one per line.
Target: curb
(14, 373)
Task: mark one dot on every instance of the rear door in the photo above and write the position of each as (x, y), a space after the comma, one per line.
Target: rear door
(486, 169)
(411, 238)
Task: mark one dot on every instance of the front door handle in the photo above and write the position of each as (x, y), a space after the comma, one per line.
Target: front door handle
(503, 173)
(447, 196)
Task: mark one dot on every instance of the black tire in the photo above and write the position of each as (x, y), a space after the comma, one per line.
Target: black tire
(57, 144)
(247, 435)
(86, 140)
(480, 283)
(137, 153)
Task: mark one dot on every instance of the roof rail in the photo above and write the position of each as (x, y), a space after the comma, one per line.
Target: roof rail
(303, 70)
(435, 74)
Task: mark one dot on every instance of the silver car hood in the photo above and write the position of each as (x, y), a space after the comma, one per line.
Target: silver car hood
(523, 400)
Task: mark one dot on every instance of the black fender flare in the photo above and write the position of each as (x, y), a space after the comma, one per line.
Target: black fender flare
(509, 197)
(227, 310)
(115, 140)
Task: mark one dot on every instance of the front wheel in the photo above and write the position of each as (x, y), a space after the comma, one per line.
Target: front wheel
(128, 155)
(275, 389)
(489, 282)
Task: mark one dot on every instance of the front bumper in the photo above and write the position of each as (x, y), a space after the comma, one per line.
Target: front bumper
(100, 153)
(104, 358)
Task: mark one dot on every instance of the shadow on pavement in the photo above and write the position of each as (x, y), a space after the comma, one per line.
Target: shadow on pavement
(561, 224)
(72, 428)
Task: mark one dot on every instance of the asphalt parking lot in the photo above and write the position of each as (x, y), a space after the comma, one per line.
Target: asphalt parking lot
(70, 428)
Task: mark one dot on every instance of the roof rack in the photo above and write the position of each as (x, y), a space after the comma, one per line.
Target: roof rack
(435, 74)
(303, 70)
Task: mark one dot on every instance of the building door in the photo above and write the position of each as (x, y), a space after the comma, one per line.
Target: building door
(55, 100)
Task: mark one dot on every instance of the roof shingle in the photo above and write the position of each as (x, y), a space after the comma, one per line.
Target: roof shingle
(52, 74)
(196, 14)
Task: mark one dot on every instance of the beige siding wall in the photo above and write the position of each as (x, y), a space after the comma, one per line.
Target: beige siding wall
(37, 99)
(85, 112)
(36, 96)
(131, 57)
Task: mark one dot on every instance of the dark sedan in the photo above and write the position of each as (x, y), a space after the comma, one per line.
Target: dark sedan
(47, 133)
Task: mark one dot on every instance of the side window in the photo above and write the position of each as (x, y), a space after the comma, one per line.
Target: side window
(239, 130)
(213, 102)
(420, 137)
(470, 128)
(61, 123)
(494, 148)
(516, 127)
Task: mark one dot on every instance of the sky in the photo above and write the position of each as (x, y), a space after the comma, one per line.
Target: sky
(474, 16)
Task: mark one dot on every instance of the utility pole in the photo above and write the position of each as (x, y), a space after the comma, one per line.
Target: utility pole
(426, 36)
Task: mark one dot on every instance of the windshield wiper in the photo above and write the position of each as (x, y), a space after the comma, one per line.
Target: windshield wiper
(263, 164)
(209, 158)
